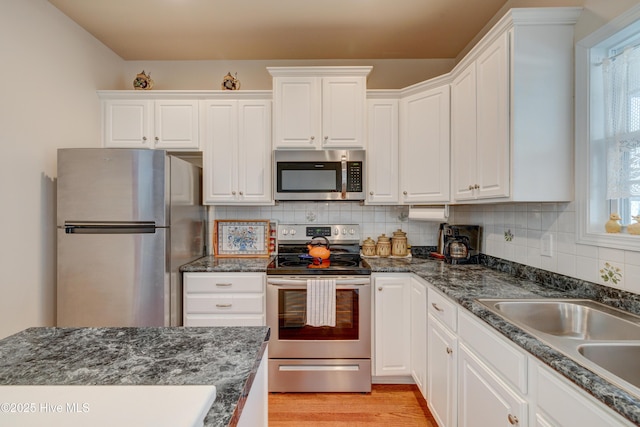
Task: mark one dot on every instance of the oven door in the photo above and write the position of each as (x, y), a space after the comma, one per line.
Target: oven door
(292, 338)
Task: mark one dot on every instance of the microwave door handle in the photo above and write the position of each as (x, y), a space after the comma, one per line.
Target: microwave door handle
(344, 177)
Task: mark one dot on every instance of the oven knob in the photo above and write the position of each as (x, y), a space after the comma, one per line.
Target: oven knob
(344, 231)
(293, 232)
(336, 231)
(352, 231)
(285, 231)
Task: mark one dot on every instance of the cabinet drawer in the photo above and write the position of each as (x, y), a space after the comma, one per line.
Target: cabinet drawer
(227, 283)
(509, 362)
(442, 309)
(217, 304)
(224, 320)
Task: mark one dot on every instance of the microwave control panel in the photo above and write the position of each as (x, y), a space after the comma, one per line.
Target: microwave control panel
(354, 177)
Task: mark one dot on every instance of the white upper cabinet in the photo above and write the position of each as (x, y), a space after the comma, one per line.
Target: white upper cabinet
(237, 151)
(512, 111)
(319, 107)
(382, 151)
(424, 146)
(139, 122)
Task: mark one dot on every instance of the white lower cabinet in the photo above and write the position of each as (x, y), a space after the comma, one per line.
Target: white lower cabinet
(477, 377)
(256, 408)
(561, 404)
(484, 400)
(392, 325)
(442, 348)
(224, 299)
(418, 339)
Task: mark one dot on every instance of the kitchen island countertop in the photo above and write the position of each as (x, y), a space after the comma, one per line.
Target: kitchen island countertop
(227, 357)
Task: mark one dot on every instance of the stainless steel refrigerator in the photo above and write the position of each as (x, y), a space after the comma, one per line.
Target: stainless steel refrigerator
(127, 220)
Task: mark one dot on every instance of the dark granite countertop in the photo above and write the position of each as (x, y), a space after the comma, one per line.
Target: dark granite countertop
(496, 279)
(213, 264)
(225, 357)
(465, 283)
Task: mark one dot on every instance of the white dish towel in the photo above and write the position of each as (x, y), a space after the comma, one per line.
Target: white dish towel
(321, 302)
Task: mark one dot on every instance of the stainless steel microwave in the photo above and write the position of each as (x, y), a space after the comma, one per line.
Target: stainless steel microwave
(319, 174)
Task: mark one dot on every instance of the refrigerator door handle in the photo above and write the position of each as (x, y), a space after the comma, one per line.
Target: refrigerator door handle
(110, 227)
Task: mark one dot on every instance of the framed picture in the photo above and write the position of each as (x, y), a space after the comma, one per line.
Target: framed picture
(233, 238)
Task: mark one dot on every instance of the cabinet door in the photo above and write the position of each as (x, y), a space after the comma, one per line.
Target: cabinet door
(128, 124)
(297, 112)
(463, 134)
(419, 334)
(343, 112)
(220, 151)
(441, 372)
(493, 140)
(424, 147)
(254, 168)
(176, 125)
(560, 403)
(382, 152)
(392, 326)
(484, 400)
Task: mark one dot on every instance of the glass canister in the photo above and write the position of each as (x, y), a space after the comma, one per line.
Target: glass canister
(383, 247)
(369, 247)
(399, 243)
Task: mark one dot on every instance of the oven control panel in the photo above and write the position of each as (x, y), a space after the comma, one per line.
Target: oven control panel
(336, 233)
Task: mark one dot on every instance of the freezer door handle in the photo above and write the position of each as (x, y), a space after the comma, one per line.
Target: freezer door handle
(146, 227)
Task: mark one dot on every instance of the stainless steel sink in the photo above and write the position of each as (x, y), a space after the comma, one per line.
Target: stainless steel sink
(603, 339)
(579, 319)
(620, 359)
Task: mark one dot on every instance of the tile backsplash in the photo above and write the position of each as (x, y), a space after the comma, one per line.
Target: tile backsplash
(373, 220)
(540, 235)
(543, 235)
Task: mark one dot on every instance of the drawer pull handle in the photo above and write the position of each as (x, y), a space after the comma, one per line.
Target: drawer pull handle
(223, 305)
(436, 307)
(223, 284)
(513, 420)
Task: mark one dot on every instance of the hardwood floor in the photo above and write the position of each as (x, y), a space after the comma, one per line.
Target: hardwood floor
(397, 405)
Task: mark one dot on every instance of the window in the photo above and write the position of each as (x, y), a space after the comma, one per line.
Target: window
(608, 131)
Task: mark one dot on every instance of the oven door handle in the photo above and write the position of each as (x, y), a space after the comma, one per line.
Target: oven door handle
(340, 283)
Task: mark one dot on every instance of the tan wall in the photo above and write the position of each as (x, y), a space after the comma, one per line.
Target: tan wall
(51, 69)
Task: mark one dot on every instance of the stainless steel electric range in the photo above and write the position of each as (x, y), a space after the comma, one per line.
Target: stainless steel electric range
(326, 358)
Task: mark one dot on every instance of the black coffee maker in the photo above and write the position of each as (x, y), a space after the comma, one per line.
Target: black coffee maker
(461, 244)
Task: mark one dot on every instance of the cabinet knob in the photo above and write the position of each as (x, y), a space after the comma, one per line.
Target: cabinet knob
(380, 288)
(470, 187)
(313, 138)
(233, 193)
(144, 138)
(449, 350)
(476, 187)
(513, 420)
(157, 139)
(241, 193)
(326, 138)
(405, 193)
(371, 193)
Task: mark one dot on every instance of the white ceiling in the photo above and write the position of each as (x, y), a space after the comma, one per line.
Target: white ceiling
(282, 29)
